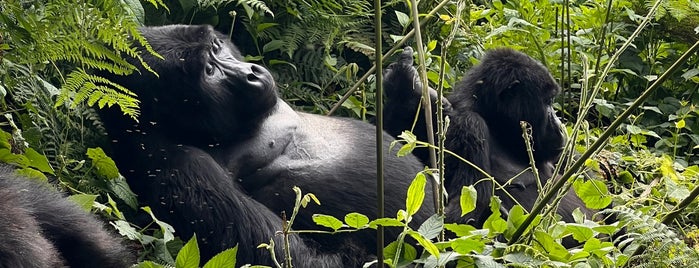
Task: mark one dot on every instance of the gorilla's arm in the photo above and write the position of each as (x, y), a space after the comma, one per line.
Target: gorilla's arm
(467, 135)
(403, 91)
(195, 194)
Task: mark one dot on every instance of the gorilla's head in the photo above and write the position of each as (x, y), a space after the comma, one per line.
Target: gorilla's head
(203, 87)
(508, 87)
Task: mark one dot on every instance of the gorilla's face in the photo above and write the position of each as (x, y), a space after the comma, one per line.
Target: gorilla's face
(512, 87)
(203, 88)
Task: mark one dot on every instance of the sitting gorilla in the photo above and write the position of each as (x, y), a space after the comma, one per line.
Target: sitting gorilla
(216, 153)
(485, 111)
(39, 228)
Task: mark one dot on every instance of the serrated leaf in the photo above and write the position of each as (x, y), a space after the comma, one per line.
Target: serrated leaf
(356, 220)
(165, 228)
(432, 227)
(104, 164)
(416, 194)
(188, 257)
(225, 259)
(121, 189)
(125, 229)
(327, 221)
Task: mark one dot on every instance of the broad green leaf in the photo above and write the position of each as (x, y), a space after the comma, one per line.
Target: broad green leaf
(597, 247)
(403, 19)
(555, 250)
(104, 164)
(385, 222)
(38, 161)
(416, 194)
(431, 45)
(580, 232)
(263, 26)
(32, 174)
(225, 259)
(427, 244)
(459, 229)
(188, 257)
(356, 220)
(465, 245)
(467, 200)
(121, 189)
(593, 193)
(327, 221)
(408, 252)
(8, 157)
(680, 124)
(272, 46)
(607, 229)
(84, 201)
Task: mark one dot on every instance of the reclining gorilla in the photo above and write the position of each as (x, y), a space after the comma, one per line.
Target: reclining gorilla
(39, 228)
(485, 111)
(216, 153)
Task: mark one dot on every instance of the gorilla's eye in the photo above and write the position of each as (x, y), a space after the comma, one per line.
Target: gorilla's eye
(209, 69)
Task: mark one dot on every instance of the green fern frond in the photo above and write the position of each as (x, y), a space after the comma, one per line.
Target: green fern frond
(93, 90)
(645, 231)
(258, 5)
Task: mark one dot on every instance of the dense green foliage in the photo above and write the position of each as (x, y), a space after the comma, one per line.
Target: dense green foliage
(318, 49)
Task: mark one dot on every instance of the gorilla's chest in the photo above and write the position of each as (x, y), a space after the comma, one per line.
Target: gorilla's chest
(287, 143)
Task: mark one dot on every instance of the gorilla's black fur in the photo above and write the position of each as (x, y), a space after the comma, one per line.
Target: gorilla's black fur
(216, 153)
(485, 110)
(39, 228)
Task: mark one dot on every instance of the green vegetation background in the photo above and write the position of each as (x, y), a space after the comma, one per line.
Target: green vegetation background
(319, 49)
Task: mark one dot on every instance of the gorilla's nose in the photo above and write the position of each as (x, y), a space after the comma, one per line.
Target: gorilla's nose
(257, 73)
(250, 74)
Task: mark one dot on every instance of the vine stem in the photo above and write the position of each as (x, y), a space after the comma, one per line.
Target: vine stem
(379, 132)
